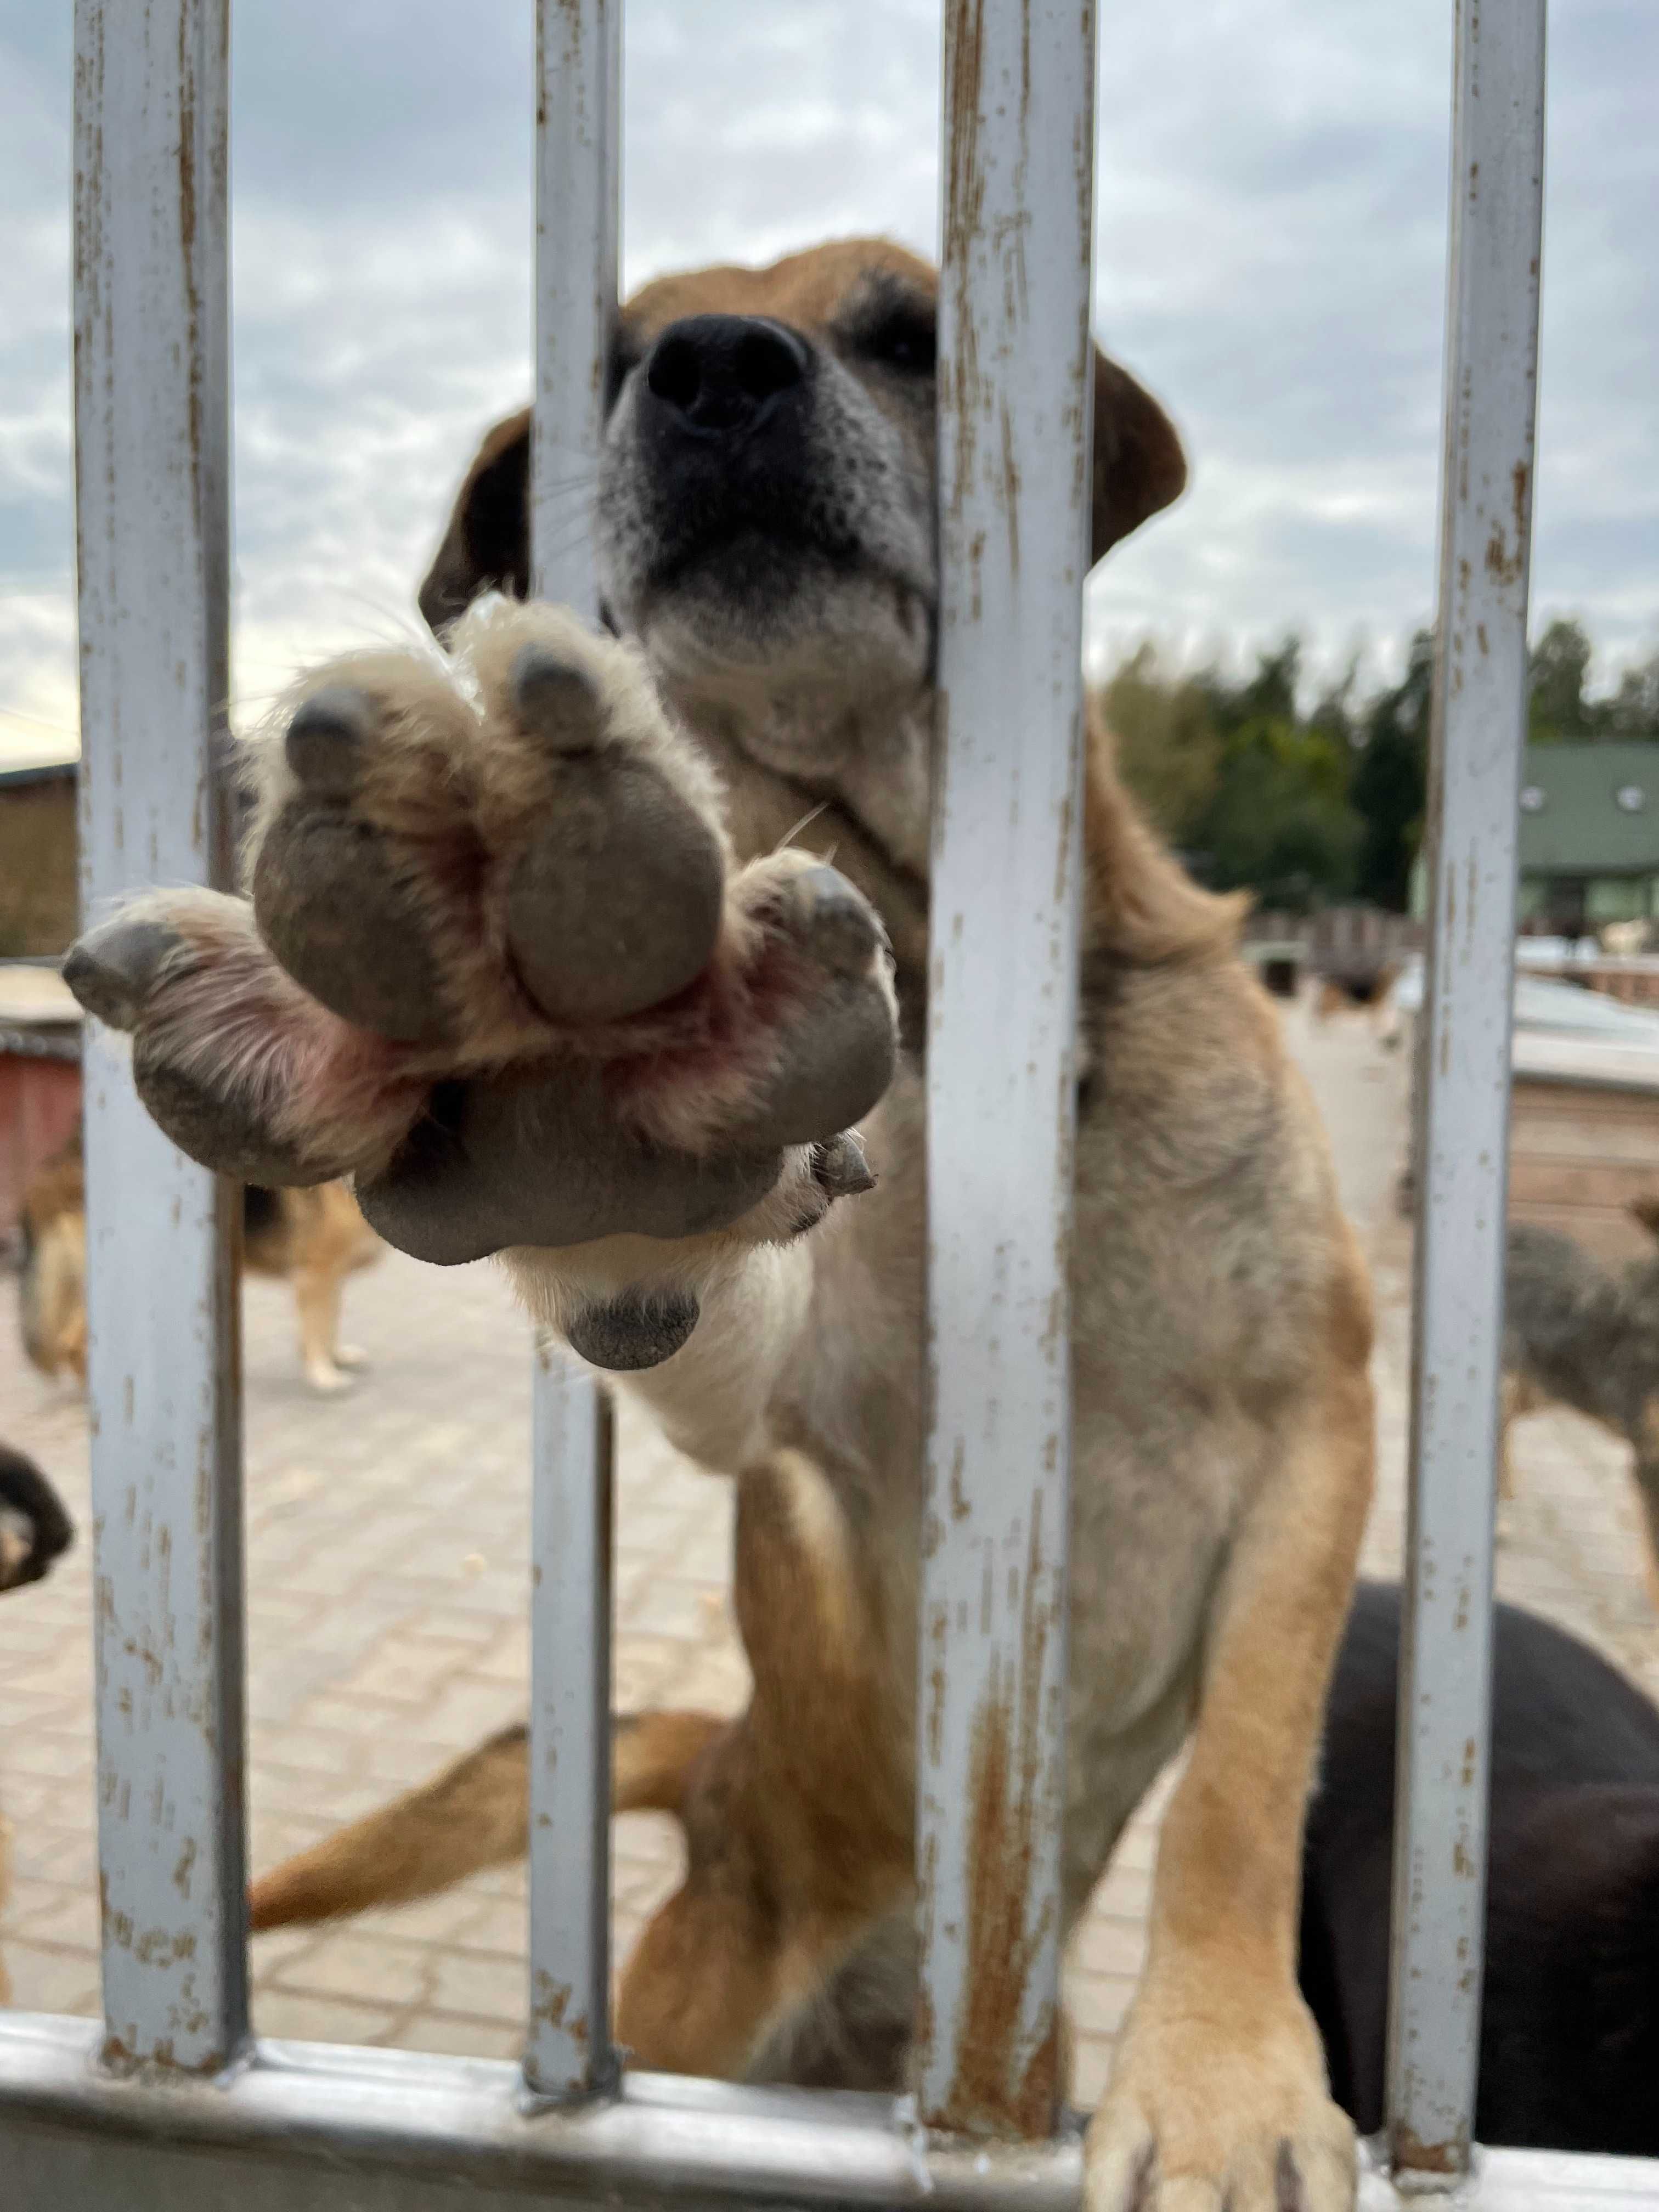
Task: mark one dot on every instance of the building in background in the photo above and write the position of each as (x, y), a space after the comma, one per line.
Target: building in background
(1590, 839)
(37, 845)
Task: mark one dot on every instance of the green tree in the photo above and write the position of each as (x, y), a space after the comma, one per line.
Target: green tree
(1278, 822)
(1633, 710)
(1390, 781)
(1558, 711)
(1169, 750)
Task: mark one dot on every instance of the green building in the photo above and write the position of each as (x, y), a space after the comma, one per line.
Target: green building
(1590, 838)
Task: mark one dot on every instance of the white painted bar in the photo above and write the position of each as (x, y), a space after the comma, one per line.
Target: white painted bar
(1480, 712)
(577, 147)
(311, 2127)
(1015, 396)
(152, 503)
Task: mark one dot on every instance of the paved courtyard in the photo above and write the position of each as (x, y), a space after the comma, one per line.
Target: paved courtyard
(387, 1589)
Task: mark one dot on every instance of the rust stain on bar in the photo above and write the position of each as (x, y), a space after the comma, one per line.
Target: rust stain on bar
(999, 2088)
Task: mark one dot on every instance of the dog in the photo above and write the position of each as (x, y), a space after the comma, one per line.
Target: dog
(538, 951)
(35, 1530)
(1626, 940)
(1577, 1334)
(1368, 990)
(314, 1237)
(1569, 2003)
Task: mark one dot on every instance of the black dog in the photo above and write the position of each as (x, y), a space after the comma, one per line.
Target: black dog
(33, 1527)
(1570, 2015)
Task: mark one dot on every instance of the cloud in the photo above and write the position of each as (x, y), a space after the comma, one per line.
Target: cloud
(1271, 228)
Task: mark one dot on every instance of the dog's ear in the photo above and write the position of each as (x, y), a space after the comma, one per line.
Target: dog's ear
(1645, 1210)
(486, 544)
(1139, 467)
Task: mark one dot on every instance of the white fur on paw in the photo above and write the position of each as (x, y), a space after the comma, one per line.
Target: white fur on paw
(326, 1379)
(351, 1356)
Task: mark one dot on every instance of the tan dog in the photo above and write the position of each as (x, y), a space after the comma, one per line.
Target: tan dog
(1370, 991)
(314, 1238)
(549, 985)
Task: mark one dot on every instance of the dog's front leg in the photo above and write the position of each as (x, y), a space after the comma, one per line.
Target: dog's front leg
(1218, 2097)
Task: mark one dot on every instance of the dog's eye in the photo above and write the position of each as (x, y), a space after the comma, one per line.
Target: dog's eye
(903, 339)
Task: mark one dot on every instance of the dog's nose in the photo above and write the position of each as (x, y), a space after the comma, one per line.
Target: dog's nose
(720, 373)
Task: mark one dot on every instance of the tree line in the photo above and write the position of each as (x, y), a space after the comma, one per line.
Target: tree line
(1309, 805)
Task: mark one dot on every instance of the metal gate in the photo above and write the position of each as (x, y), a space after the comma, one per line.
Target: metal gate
(170, 2101)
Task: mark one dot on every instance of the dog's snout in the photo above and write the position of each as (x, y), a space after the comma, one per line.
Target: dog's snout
(721, 373)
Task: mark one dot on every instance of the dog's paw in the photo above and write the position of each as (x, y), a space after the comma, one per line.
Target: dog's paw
(1203, 2117)
(327, 1380)
(497, 967)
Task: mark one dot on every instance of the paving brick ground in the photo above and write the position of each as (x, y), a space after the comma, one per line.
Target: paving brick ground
(387, 1582)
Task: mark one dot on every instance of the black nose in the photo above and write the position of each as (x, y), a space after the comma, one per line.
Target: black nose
(719, 374)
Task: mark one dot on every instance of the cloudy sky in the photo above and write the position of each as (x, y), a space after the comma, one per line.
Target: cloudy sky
(1271, 231)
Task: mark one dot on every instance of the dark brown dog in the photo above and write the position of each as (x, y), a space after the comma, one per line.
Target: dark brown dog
(529, 956)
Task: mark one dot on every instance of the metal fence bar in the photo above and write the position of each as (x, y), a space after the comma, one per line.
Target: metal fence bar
(1479, 707)
(315, 2127)
(1014, 419)
(578, 145)
(152, 499)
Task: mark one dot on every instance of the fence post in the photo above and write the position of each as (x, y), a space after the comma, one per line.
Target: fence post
(1477, 733)
(1014, 416)
(152, 510)
(568, 2051)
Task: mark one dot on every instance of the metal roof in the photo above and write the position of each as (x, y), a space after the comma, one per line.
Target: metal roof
(1589, 809)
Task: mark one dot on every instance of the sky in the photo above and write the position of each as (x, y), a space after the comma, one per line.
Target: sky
(1270, 243)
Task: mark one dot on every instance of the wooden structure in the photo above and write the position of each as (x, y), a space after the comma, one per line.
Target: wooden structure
(1584, 1138)
(39, 1078)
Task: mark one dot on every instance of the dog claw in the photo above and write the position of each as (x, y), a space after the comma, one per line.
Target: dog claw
(625, 1334)
(841, 1168)
(837, 924)
(113, 969)
(327, 738)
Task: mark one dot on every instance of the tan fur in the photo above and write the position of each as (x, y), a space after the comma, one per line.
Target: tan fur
(1222, 1416)
(317, 1239)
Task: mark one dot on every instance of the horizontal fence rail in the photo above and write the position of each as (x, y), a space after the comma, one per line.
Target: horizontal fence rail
(168, 2100)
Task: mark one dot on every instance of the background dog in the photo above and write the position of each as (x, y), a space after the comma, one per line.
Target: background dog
(34, 1531)
(530, 955)
(1368, 990)
(1576, 1334)
(313, 1238)
(1570, 2005)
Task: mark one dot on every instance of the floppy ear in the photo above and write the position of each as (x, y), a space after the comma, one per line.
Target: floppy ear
(1645, 1210)
(486, 544)
(1139, 467)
